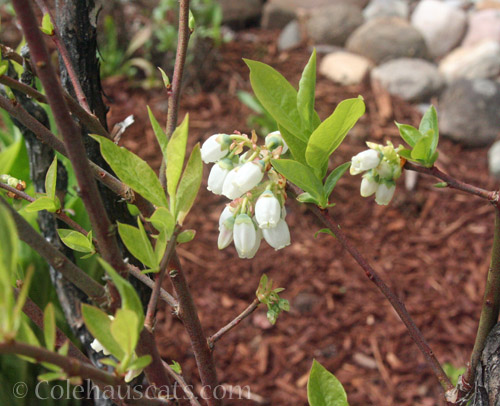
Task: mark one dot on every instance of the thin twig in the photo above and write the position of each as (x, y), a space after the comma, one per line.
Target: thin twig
(153, 300)
(451, 182)
(72, 139)
(164, 295)
(188, 314)
(175, 92)
(63, 51)
(182, 383)
(247, 312)
(396, 303)
(9, 53)
(490, 308)
(88, 120)
(74, 367)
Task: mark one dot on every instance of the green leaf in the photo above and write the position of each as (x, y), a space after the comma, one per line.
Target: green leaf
(409, 133)
(300, 175)
(44, 203)
(99, 325)
(125, 330)
(10, 248)
(430, 122)
(307, 198)
(21, 299)
(176, 367)
(140, 363)
(331, 132)
(75, 240)
(47, 26)
(49, 327)
(133, 171)
(52, 376)
(176, 151)
(166, 80)
(405, 153)
(323, 389)
(305, 96)
(441, 185)
(51, 179)
(422, 149)
(130, 299)
(324, 231)
(277, 96)
(186, 236)
(296, 145)
(334, 177)
(159, 133)
(163, 220)
(137, 242)
(4, 67)
(189, 185)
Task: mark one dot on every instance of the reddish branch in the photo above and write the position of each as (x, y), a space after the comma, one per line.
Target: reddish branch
(453, 183)
(247, 312)
(396, 303)
(180, 60)
(71, 135)
(63, 51)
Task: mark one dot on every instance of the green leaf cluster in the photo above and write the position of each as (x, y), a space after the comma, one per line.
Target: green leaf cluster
(77, 241)
(270, 297)
(311, 142)
(423, 141)
(47, 201)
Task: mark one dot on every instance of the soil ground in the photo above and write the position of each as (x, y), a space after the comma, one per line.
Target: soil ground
(431, 245)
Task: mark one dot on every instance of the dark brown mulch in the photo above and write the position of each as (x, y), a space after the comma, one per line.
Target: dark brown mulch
(430, 245)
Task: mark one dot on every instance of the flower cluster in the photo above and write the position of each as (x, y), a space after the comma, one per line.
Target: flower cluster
(381, 166)
(242, 172)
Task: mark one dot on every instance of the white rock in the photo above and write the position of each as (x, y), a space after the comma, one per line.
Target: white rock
(386, 8)
(411, 79)
(494, 160)
(483, 25)
(345, 68)
(441, 24)
(290, 37)
(480, 61)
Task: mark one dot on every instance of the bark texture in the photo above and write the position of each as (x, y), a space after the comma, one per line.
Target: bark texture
(487, 392)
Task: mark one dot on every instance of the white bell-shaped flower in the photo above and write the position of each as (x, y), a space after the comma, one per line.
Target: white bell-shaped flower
(229, 188)
(226, 224)
(274, 140)
(277, 237)
(384, 194)
(256, 246)
(218, 174)
(245, 235)
(368, 186)
(267, 210)
(249, 176)
(364, 161)
(214, 148)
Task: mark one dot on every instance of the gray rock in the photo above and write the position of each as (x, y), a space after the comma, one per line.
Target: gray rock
(442, 25)
(240, 11)
(276, 16)
(468, 112)
(290, 37)
(411, 79)
(483, 25)
(345, 68)
(480, 61)
(386, 38)
(333, 24)
(386, 8)
(494, 160)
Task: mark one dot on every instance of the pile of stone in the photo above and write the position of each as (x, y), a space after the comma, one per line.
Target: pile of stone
(447, 50)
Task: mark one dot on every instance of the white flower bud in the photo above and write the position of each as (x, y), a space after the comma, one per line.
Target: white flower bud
(277, 237)
(229, 188)
(368, 186)
(249, 176)
(267, 210)
(256, 246)
(131, 374)
(275, 140)
(384, 194)
(214, 148)
(364, 161)
(226, 224)
(217, 176)
(244, 235)
(97, 347)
